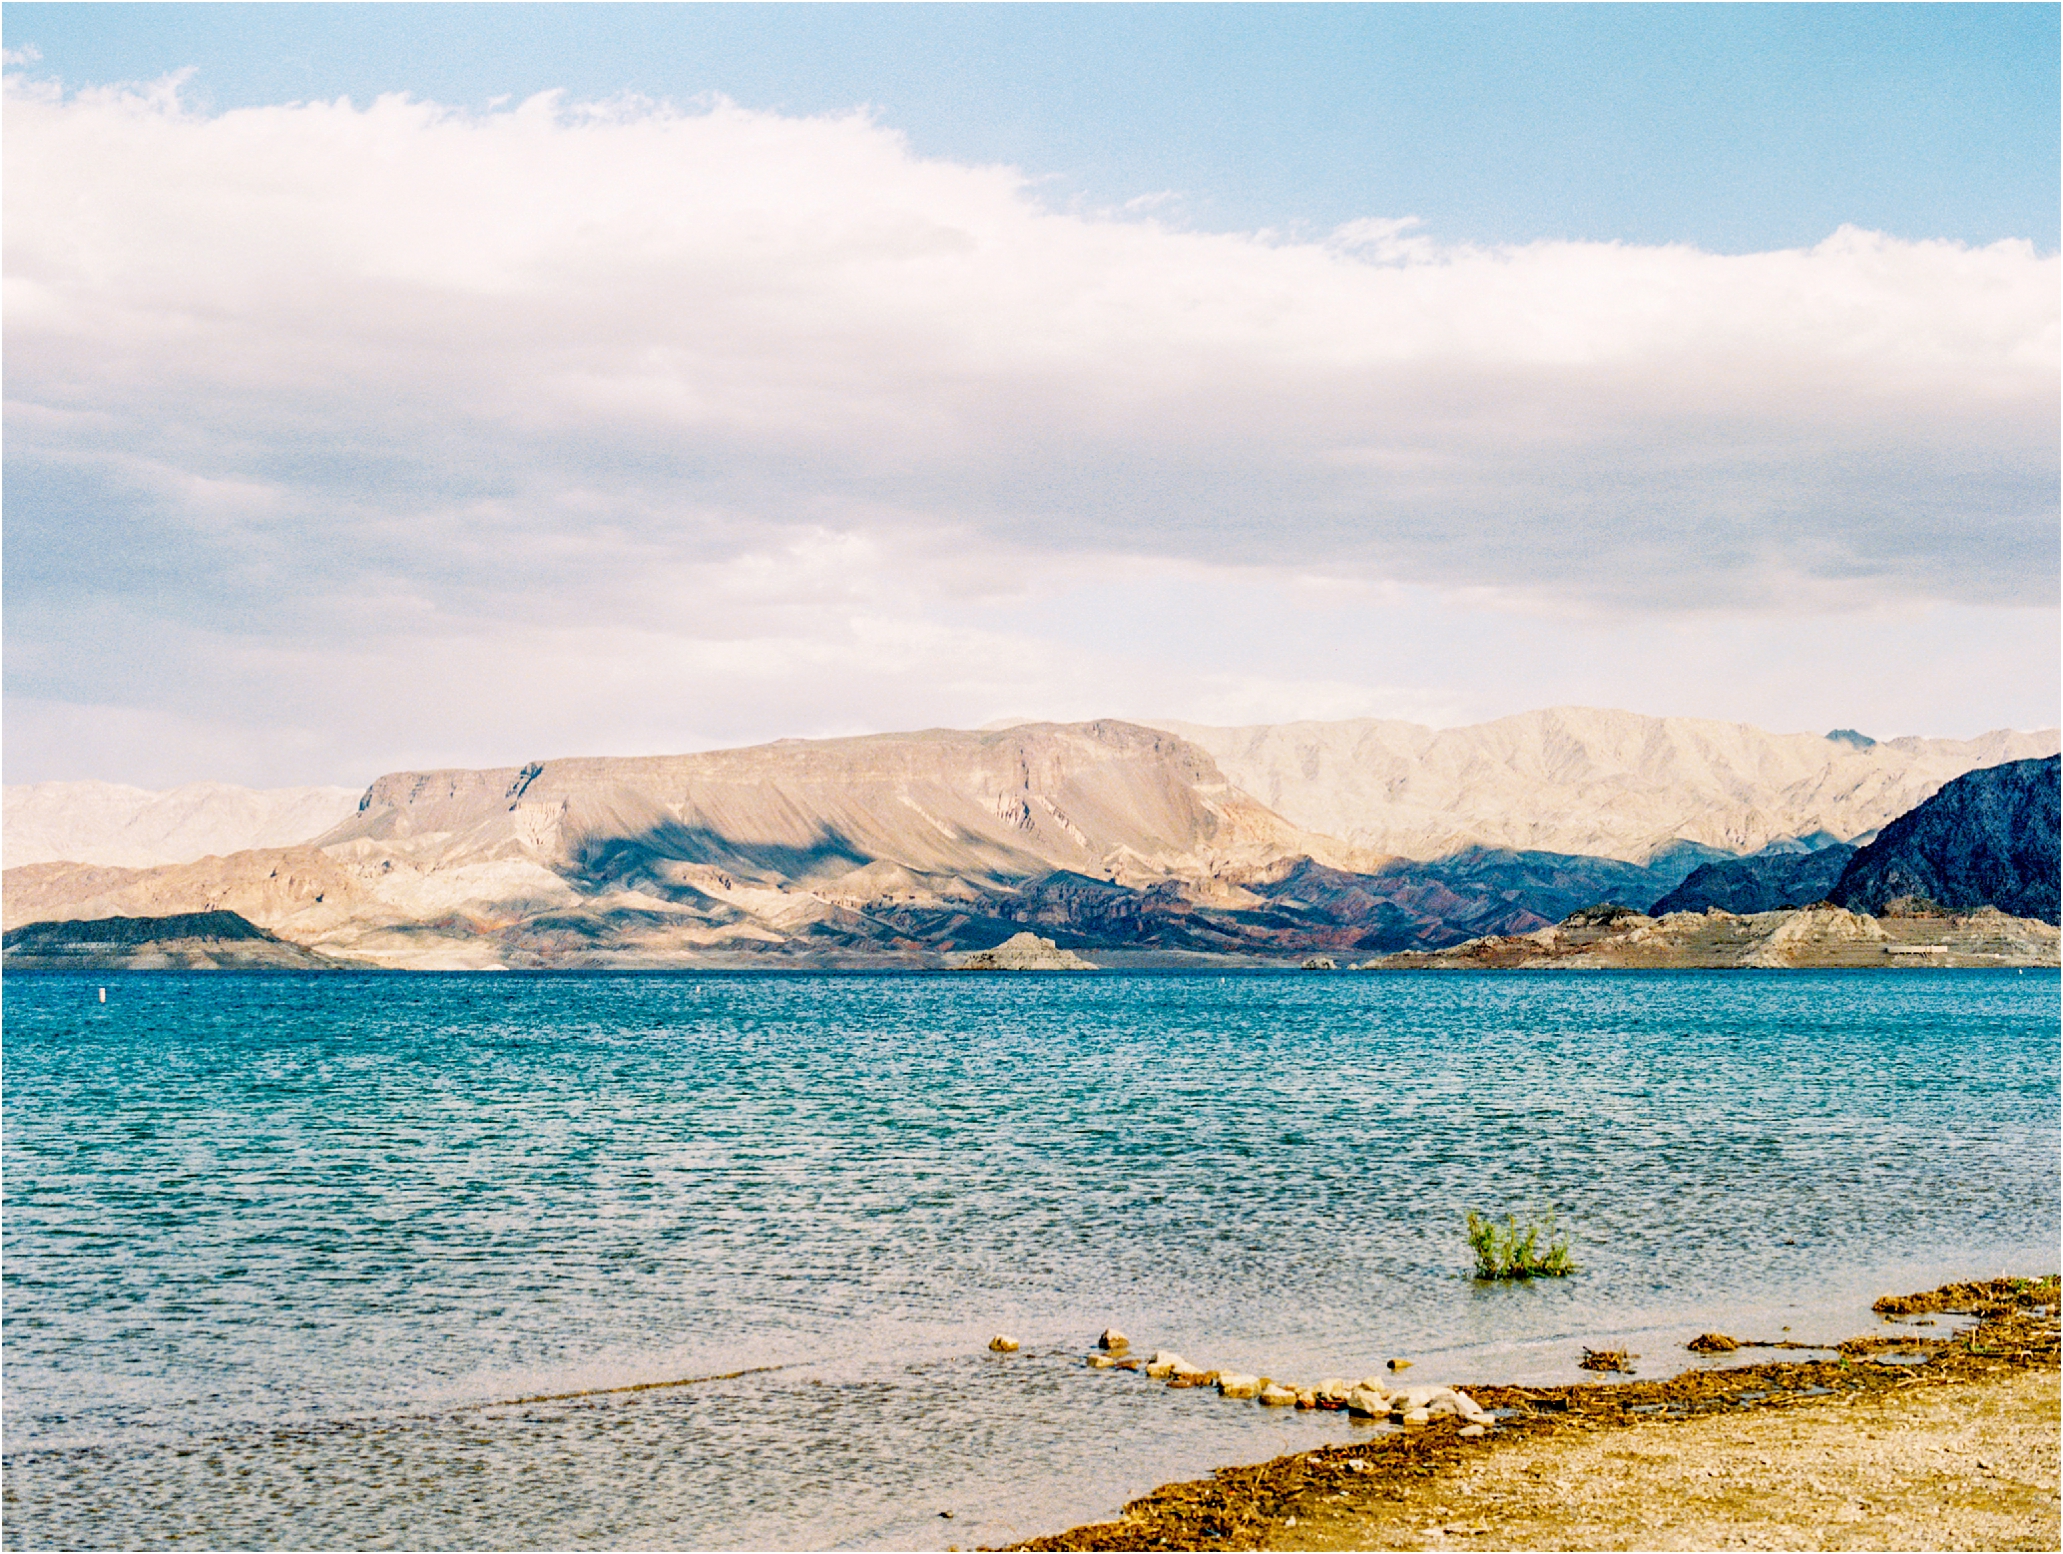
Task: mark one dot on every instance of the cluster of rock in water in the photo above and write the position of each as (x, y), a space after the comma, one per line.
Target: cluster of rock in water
(1369, 1398)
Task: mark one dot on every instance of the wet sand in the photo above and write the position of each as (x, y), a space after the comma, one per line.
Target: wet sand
(1957, 1451)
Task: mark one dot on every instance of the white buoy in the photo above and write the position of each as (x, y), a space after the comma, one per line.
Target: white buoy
(103, 995)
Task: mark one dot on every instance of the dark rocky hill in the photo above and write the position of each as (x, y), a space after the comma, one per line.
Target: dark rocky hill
(1766, 882)
(1990, 838)
(177, 941)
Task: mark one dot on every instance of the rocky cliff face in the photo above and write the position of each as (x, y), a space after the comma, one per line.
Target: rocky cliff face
(1763, 883)
(1986, 839)
(1586, 782)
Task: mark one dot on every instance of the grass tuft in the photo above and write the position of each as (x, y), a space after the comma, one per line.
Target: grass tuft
(1513, 1251)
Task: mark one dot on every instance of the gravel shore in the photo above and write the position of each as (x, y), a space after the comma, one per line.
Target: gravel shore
(1956, 1450)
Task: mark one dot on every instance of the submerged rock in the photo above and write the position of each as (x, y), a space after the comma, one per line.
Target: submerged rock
(1607, 1360)
(1712, 1343)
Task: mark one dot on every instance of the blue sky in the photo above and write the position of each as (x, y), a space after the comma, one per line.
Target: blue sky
(1228, 363)
(1729, 127)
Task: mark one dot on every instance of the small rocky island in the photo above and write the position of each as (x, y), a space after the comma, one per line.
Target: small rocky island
(1025, 952)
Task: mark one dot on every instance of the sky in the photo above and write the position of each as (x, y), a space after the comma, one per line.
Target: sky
(395, 386)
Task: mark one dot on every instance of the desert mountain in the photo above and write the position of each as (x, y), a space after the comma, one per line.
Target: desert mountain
(109, 823)
(897, 844)
(1990, 838)
(951, 808)
(916, 846)
(1582, 781)
(1764, 882)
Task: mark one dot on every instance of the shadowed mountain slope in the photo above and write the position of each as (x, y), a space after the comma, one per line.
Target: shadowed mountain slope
(1763, 883)
(1987, 839)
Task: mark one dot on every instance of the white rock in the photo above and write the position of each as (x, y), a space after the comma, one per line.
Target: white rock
(1470, 1432)
(1165, 1362)
(1415, 1416)
(1112, 1341)
(1234, 1385)
(1003, 1345)
(1364, 1404)
(1277, 1396)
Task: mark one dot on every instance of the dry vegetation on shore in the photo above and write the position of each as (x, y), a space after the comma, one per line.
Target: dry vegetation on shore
(1958, 1450)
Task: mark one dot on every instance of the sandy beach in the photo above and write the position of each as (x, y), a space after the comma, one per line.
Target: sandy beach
(1954, 1445)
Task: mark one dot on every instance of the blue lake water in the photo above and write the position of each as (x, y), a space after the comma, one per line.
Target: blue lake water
(284, 1254)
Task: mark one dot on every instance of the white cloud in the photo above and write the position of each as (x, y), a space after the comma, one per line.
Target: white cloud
(775, 405)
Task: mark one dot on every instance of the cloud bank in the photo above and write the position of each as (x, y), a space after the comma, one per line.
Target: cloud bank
(748, 394)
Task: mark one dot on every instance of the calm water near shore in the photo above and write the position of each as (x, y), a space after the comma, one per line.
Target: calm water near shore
(281, 1252)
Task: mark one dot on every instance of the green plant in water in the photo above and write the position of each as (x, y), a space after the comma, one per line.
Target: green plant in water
(1513, 1251)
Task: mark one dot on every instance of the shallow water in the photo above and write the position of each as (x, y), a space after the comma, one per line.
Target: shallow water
(279, 1250)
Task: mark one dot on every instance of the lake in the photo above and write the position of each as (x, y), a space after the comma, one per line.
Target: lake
(284, 1256)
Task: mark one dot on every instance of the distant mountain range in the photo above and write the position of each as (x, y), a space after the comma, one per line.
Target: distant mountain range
(111, 823)
(1591, 783)
(906, 847)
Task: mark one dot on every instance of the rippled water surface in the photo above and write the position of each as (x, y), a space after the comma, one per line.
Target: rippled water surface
(283, 1255)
